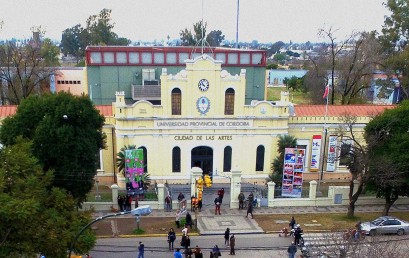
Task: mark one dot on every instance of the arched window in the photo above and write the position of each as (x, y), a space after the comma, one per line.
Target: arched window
(260, 158)
(227, 159)
(229, 102)
(145, 158)
(176, 102)
(176, 159)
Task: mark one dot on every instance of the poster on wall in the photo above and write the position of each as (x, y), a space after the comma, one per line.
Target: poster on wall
(332, 153)
(315, 153)
(134, 168)
(293, 171)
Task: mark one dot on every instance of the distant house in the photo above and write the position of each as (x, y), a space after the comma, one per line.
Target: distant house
(384, 89)
(276, 77)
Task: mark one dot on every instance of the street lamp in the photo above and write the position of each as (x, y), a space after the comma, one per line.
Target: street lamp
(140, 211)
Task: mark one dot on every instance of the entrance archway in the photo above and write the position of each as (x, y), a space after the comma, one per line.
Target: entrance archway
(202, 156)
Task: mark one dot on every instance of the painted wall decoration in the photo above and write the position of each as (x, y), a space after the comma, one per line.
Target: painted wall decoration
(134, 168)
(332, 153)
(293, 172)
(315, 153)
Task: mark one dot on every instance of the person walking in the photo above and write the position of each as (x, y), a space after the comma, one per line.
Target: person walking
(185, 231)
(168, 202)
(177, 218)
(241, 200)
(292, 223)
(215, 253)
(181, 198)
(189, 220)
(232, 244)
(251, 198)
(171, 238)
(198, 252)
(292, 250)
(217, 204)
(226, 236)
(121, 202)
(141, 250)
(250, 210)
(220, 193)
(177, 253)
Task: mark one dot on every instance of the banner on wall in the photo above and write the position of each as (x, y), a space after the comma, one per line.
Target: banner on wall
(293, 171)
(134, 168)
(315, 153)
(332, 153)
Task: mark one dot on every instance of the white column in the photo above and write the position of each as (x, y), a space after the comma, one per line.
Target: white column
(313, 190)
(195, 172)
(114, 189)
(235, 187)
(161, 196)
(270, 194)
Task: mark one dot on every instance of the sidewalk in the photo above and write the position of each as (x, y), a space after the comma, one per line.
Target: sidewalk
(210, 224)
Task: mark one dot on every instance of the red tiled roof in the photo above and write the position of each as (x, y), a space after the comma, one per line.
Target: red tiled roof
(105, 110)
(5, 111)
(333, 110)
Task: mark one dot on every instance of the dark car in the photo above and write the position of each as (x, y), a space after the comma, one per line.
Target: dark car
(385, 225)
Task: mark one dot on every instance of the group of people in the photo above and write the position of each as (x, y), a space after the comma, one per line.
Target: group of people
(125, 202)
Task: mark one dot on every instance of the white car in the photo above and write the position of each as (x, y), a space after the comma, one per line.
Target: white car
(385, 225)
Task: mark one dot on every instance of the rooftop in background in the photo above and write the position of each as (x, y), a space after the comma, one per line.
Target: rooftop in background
(170, 56)
(334, 110)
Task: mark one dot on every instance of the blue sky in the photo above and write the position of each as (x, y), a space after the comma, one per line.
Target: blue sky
(262, 20)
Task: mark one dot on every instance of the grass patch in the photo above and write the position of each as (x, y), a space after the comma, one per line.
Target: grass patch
(320, 221)
(296, 97)
(138, 231)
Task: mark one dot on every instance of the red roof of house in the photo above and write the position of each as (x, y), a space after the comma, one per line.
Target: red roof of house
(5, 111)
(333, 110)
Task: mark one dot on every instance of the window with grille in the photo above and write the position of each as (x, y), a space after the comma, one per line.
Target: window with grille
(176, 102)
(229, 102)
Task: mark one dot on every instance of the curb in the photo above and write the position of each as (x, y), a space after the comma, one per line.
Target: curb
(144, 235)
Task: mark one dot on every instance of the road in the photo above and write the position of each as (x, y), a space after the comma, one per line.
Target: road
(250, 245)
(257, 245)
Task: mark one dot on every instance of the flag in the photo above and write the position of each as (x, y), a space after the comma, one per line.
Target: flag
(326, 92)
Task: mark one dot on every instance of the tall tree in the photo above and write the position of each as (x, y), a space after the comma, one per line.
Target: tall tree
(24, 72)
(215, 38)
(394, 39)
(67, 136)
(192, 39)
(50, 53)
(33, 213)
(388, 138)
(74, 41)
(350, 63)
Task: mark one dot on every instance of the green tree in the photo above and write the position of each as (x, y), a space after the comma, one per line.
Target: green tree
(192, 39)
(215, 38)
(284, 141)
(388, 138)
(67, 136)
(23, 71)
(74, 41)
(394, 39)
(295, 83)
(50, 53)
(33, 213)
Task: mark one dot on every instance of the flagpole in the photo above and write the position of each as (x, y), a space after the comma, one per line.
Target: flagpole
(326, 93)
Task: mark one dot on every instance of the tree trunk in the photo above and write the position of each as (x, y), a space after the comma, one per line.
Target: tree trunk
(389, 201)
(353, 197)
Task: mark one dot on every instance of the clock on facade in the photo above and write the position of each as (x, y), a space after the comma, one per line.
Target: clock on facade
(203, 85)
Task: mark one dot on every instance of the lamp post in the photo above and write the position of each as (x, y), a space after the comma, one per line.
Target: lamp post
(140, 211)
(97, 196)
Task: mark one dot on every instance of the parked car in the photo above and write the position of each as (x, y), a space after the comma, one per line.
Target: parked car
(385, 225)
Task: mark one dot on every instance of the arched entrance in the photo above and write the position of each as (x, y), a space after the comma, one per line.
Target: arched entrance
(202, 156)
